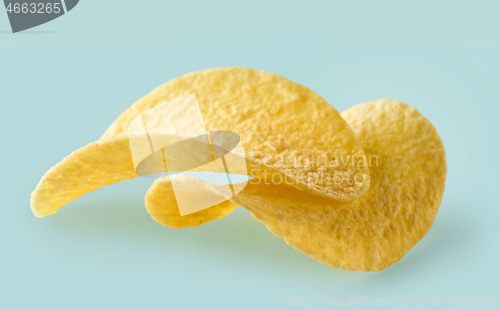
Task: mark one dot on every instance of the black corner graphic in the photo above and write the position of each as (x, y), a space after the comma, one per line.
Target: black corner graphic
(70, 4)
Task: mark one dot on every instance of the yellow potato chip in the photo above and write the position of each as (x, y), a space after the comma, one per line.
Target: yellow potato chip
(283, 125)
(162, 205)
(376, 230)
(311, 183)
(107, 162)
(87, 169)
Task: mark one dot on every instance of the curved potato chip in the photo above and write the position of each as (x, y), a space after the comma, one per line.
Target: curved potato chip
(380, 227)
(89, 168)
(282, 124)
(103, 163)
(161, 201)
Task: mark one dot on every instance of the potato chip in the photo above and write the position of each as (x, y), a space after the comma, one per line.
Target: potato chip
(408, 172)
(356, 199)
(107, 162)
(87, 169)
(376, 230)
(161, 201)
(283, 125)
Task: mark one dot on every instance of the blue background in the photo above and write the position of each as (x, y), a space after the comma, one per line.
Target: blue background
(64, 82)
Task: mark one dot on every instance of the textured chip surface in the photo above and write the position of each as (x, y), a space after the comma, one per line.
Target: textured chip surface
(378, 229)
